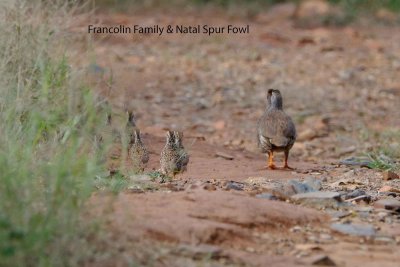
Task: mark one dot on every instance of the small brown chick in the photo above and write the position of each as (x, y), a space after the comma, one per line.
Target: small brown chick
(138, 152)
(276, 130)
(170, 156)
(183, 159)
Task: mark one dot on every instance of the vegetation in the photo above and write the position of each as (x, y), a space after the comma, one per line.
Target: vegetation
(352, 7)
(387, 150)
(48, 153)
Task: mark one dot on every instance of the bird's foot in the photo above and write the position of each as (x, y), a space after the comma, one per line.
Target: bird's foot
(272, 167)
(286, 167)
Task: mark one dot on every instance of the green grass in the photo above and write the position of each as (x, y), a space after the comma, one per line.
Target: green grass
(48, 157)
(385, 154)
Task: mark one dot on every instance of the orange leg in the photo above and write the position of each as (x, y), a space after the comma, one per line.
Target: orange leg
(271, 164)
(286, 166)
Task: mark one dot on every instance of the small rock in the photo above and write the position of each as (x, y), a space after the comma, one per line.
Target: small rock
(224, 155)
(384, 239)
(319, 199)
(237, 142)
(313, 183)
(284, 191)
(219, 125)
(365, 198)
(267, 196)
(300, 188)
(382, 215)
(231, 185)
(296, 229)
(135, 190)
(389, 175)
(347, 150)
(312, 247)
(387, 188)
(322, 260)
(364, 209)
(307, 134)
(339, 214)
(353, 229)
(353, 161)
(209, 187)
(354, 194)
(388, 203)
(325, 237)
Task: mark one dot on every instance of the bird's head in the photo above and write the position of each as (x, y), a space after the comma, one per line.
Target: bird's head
(275, 98)
(178, 138)
(170, 138)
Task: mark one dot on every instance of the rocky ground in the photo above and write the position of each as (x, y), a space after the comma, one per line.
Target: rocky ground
(340, 85)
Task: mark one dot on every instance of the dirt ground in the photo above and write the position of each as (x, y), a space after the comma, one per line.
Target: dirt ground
(340, 85)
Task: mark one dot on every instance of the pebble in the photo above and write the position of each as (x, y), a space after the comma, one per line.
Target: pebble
(224, 155)
(389, 175)
(313, 183)
(267, 196)
(322, 260)
(353, 161)
(388, 203)
(319, 199)
(354, 194)
(354, 229)
(387, 188)
(299, 187)
(231, 185)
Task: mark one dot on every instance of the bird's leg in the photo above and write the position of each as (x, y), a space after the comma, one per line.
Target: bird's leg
(286, 166)
(271, 164)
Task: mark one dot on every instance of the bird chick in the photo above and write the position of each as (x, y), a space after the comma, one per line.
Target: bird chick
(170, 156)
(183, 159)
(138, 152)
(276, 130)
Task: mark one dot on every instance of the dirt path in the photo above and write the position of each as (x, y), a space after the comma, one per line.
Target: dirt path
(338, 84)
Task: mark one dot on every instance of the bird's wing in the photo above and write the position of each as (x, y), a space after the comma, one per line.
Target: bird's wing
(277, 127)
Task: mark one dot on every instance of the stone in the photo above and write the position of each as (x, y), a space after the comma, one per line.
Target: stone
(339, 214)
(267, 196)
(231, 185)
(307, 134)
(387, 188)
(364, 198)
(388, 204)
(354, 229)
(354, 194)
(322, 260)
(347, 150)
(224, 155)
(312, 247)
(209, 187)
(313, 183)
(319, 199)
(353, 161)
(299, 187)
(389, 175)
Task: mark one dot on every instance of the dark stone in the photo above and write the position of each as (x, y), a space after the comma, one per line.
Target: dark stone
(353, 229)
(267, 196)
(389, 204)
(231, 185)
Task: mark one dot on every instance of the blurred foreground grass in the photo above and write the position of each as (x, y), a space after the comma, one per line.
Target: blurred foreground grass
(354, 7)
(48, 154)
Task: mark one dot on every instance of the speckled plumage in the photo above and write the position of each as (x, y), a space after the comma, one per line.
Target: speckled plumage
(138, 152)
(183, 159)
(276, 130)
(170, 156)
